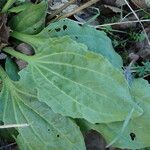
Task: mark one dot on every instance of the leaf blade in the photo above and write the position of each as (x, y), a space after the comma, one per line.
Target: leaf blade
(74, 82)
(136, 134)
(46, 130)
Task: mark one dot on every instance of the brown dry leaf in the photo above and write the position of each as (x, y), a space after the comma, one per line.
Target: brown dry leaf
(143, 47)
(113, 8)
(4, 30)
(25, 49)
(94, 141)
(142, 3)
(120, 3)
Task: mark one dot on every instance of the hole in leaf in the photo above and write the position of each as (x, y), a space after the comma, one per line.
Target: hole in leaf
(80, 25)
(97, 123)
(49, 30)
(76, 37)
(34, 29)
(57, 135)
(133, 136)
(64, 27)
(57, 29)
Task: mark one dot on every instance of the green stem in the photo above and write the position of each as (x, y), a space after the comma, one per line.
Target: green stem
(3, 74)
(16, 54)
(30, 39)
(8, 5)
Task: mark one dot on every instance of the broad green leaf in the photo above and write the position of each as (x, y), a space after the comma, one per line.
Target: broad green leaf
(78, 83)
(95, 40)
(46, 130)
(11, 69)
(31, 20)
(137, 132)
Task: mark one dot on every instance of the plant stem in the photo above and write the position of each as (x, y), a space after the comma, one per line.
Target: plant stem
(16, 54)
(3, 74)
(24, 37)
(8, 5)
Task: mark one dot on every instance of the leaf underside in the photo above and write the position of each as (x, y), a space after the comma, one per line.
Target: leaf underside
(46, 130)
(95, 40)
(78, 83)
(137, 133)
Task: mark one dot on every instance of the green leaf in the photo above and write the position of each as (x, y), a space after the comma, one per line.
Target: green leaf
(137, 132)
(95, 40)
(46, 130)
(31, 20)
(20, 8)
(11, 69)
(78, 83)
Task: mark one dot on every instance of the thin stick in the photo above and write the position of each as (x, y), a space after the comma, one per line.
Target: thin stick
(58, 11)
(6, 146)
(14, 126)
(89, 3)
(138, 21)
(124, 22)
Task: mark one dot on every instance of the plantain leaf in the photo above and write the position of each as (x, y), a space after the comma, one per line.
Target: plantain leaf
(31, 20)
(137, 132)
(46, 129)
(95, 40)
(78, 83)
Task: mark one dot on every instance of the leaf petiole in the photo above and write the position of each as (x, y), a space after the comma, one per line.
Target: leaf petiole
(16, 54)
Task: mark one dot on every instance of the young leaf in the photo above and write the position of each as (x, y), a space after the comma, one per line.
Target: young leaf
(31, 20)
(78, 83)
(46, 129)
(95, 40)
(137, 132)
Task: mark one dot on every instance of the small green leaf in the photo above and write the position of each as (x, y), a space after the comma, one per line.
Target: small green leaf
(46, 129)
(11, 69)
(78, 83)
(137, 132)
(31, 20)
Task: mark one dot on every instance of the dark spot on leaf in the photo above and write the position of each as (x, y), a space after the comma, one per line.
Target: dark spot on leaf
(48, 129)
(34, 29)
(49, 30)
(57, 135)
(64, 27)
(76, 37)
(80, 25)
(57, 29)
(97, 123)
(133, 136)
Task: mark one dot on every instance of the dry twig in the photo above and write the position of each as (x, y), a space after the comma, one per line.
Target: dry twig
(14, 126)
(136, 16)
(89, 3)
(58, 11)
